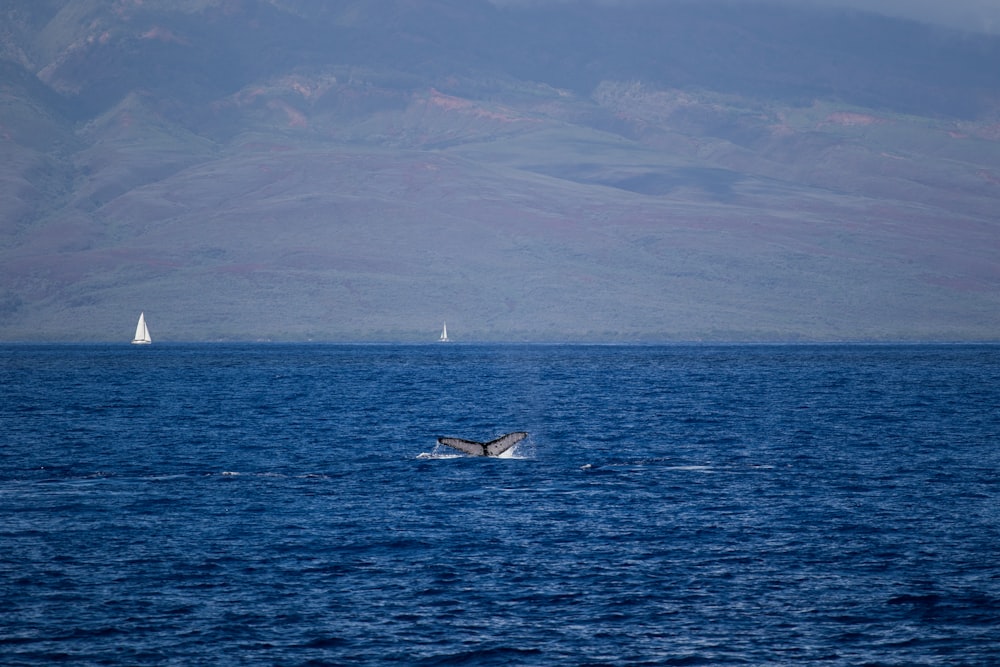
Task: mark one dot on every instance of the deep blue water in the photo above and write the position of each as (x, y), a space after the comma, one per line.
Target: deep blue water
(272, 504)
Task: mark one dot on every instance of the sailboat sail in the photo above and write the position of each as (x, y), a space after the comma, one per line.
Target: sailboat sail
(142, 332)
(444, 333)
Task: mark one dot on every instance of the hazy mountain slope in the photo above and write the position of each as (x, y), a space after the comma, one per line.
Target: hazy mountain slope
(37, 142)
(362, 170)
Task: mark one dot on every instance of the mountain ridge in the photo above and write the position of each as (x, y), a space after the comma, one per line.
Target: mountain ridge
(303, 171)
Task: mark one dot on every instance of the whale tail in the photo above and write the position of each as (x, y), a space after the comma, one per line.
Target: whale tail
(491, 448)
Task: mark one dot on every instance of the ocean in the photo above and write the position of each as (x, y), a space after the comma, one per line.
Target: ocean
(678, 505)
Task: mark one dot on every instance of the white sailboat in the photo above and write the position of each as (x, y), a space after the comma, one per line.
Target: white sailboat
(142, 332)
(444, 334)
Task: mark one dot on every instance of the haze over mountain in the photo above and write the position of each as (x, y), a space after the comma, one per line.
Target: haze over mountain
(527, 171)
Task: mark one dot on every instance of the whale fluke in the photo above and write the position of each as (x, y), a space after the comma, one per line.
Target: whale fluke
(491, 448)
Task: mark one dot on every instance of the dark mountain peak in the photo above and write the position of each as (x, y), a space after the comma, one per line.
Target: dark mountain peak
(97, 52)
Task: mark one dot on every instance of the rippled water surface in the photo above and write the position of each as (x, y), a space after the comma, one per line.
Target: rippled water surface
(288, 505)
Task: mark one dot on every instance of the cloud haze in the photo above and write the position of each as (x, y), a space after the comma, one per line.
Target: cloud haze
(974, 15)
(977, 15)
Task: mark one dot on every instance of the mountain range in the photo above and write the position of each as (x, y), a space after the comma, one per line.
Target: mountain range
(340, 170)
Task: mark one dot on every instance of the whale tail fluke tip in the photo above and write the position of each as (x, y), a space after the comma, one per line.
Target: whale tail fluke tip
(491, 448)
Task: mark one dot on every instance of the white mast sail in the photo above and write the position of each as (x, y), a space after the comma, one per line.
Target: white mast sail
(444, 333)
(142, 332)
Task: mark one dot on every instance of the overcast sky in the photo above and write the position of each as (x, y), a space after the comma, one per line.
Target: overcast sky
(977, 15)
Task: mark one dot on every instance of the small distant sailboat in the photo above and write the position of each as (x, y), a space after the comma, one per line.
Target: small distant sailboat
(142, 332)
(444, 334)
